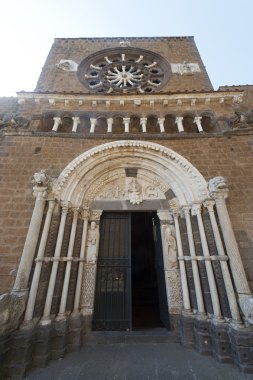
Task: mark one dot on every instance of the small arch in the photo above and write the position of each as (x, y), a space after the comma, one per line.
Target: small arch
(207, 122)
(118, 127)
(46, 124)
(189, 125)
(101, 126)
(135, 124)
(84, 126)
(152, 124)
(169, 124)
(66, 125)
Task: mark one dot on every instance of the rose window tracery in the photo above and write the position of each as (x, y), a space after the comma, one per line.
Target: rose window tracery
(124, 70)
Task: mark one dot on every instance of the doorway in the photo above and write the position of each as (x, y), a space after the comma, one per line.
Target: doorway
(130, 286)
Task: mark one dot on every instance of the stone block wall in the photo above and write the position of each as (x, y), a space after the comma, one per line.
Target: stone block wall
(22, 155)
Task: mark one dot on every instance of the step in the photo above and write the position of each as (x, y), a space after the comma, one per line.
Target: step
(159, 335)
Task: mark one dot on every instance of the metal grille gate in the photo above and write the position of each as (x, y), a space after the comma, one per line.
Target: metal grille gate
(112, 310)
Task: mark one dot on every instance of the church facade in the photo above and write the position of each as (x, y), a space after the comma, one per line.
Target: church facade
(127, 203)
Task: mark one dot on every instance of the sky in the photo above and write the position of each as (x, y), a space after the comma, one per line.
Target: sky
(222, 29)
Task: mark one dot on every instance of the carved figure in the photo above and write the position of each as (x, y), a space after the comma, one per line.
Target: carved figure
(40, 178)
(14, 121)
(135, 192)
(92, 241)
(171, 249)
(239, 121)
(216, 184)
(67, 65)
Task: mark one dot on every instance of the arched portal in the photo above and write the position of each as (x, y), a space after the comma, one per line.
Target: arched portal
(126, 177)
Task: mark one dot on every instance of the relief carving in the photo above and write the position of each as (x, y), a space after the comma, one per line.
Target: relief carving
(88, 286)
(12, 307)
(171, 261)
(174, 292)
(92, 243)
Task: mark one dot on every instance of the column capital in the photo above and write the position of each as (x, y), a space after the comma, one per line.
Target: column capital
(179, 118)
(197, 119)
(40, 183)
(95, 215)
(209, 204)
(161, 119)
(165, 216)
(57, 119)
(186, 209)
(218, 188)
(143, 120)
(76, 118)
(196, 208)
(65, 207)
(75, 210)
(85, 213)
(126, 119)
(109, 120)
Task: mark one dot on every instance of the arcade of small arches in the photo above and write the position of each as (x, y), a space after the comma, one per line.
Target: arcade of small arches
(132, 124)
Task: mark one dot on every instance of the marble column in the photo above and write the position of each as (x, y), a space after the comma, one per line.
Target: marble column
(85, 216)
(236, 319)
(57, 122)
(179, 122)
(219, 192)
(39, 262)
(65, 288)
(161, 124)
(143, 122)
(126, 122)
(197, 121)
(196, 210)
(93, 123)
(40, 191)
(183, 275)
(76, 122)
(50, 292)
(109, 124)
(195, 269)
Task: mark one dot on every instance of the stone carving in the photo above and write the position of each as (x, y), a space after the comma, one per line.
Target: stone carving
(185, 68)
(246, 303)
(239, 121)
(88, 286)
(170, 248)
(135, 192)
(92, 243)
(190, 174)
(124, 43)
(174, 292)
(12, 307)
(14, 121)
(40, 178)
(67, 65)
(217, 184)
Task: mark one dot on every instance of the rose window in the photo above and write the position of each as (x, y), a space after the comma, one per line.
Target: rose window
(124, 70)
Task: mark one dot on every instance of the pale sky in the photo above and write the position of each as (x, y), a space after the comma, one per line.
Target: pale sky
(222, 31)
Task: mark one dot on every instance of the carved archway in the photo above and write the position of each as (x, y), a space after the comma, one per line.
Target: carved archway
(85, 178)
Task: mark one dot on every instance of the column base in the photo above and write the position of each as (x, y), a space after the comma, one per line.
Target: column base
(59, 338)
(41, 353)
(186, 330)
(241, 341)
(74, 337)
(220, 342)
(203, 343)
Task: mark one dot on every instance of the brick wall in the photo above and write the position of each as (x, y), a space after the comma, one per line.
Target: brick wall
(21, 156)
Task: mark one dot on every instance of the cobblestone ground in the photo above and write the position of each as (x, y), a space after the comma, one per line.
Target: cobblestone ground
(137, 361)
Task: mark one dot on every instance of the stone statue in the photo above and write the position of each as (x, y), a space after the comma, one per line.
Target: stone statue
(171, 249)
(239, 121)
(14, 121)
(92, 242)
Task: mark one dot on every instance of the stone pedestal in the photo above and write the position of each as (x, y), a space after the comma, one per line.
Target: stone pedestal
(41, 353)
(74, 338)
(220, 343)
(241, 341)
(59, 339)
(187, 331)
(4, 349)
(203, 343)
(19, 357)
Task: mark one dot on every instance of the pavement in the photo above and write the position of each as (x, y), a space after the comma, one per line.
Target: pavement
(137, 361)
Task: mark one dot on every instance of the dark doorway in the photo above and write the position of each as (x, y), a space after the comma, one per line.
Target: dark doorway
(145, 292)
(130, 285)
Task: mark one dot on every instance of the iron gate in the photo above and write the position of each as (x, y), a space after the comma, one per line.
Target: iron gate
(112, 309)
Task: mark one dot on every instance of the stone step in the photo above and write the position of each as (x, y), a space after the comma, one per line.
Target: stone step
(159, 335)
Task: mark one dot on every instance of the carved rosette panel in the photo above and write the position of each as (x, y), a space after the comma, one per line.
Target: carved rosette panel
(124, 70)
(88, 288)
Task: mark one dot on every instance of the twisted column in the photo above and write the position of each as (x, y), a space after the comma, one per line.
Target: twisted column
(196, 210)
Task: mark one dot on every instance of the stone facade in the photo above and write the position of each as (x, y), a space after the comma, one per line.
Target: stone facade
(163, 147)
